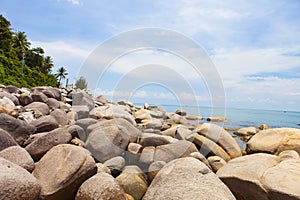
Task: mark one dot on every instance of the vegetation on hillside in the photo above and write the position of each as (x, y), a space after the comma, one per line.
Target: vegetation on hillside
(21, 65)
(81, 83)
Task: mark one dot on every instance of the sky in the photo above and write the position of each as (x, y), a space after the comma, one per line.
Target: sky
(251, 47)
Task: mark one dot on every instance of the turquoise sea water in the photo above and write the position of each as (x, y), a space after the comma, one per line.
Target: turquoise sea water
(239, 118)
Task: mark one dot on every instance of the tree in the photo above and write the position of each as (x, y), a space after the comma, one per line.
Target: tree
(47, 65)
(81, 83)
(61, 74)
(6, 35)
(21, 45)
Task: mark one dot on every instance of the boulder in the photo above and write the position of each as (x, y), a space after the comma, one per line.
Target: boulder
(53, 103)
(39, 97)
(115, 165)
(113, 111)
(275, 141)
(246, 131)
(216, 163)
(194, 118)
(169, 152)
(83, 99)
(134, 148)
(60, 117)
(221, 137)
(7, 107)
(19, 129)
(108, 141)
(81, 111)
(62, 170)
(207, 146)
(154, 168)
(200, 157)
(45, 124)
(102, 100)
(38, 107)
(183, 132)
(149, 139)
(187, 178)
(12, 89)
(262, 176)
(133, 182)
(10, 96)
(76, 131)
(174, 118)
(84, 123)
(45, 142)
(17, 183)
(19, 156)
(181, 112)
(263, 127)
(6, 140)
(25, 99)
(282, 181)
(100, 186)
(102, 168)
(217, 119)
(147, 155)
(50, 92)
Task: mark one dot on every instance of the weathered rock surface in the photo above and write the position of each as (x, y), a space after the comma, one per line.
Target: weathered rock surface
(45, 124)
(45, 142)
(217, 119)
(18, 129)
(246, 131)
(108, 141)
(6, 140)
(38, 107)
(221, 137)
(216, 162)
(100, 186)
(187, 178)
(262, 176)
(19, 156)
(62, 170)
(83, 99)
(133, 182)
(60, 117)
(275, 141)
(17, 183)
(113, 111)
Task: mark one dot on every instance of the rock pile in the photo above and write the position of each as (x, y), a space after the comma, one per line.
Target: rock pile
(64, 144)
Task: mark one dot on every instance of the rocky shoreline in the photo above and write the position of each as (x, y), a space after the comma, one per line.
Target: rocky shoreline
(64, 144)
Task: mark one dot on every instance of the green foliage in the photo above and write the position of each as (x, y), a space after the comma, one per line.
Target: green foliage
(15, 50)
(61, 74)
(81, 83)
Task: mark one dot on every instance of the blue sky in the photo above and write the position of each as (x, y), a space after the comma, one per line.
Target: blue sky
(255, 45)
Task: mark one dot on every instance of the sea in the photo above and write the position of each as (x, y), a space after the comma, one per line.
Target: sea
(239, 118)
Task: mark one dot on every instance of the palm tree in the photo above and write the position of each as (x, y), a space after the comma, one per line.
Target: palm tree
(22, 45)
(47, 64)
(61, 74)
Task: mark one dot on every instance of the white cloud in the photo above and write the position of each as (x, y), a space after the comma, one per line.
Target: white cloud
(75, 2)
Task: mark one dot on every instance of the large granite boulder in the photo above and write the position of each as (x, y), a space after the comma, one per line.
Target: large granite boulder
(100, 186)
(39, 147)
(19, 156)
(132, 180)
(6, 140)
(39, 107)
(262, 176)
(83, 99)
(18, 129)
(113, 111)
(275, 141)
(62, 170)
(17, 183)
(187, 178)
(45, 124)
(218, 135)
(109, 140)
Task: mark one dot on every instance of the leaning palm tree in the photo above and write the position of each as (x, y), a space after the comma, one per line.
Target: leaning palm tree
(47, 64)
(61, 74)
(21, 44)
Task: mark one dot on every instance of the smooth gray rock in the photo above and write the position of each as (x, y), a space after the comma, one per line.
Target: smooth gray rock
(17, 183)
(6, 140)
(62, 170)
(19, 156)
(45, 124)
